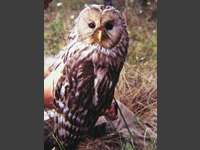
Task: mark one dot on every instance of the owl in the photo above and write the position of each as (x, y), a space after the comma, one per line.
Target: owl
(87, 72)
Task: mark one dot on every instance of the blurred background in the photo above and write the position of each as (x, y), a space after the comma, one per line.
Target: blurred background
(137, 86)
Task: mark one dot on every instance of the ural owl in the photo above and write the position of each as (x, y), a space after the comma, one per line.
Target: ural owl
(87, 72)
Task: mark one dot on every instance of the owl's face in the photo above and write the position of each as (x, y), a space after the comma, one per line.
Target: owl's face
(100, 25)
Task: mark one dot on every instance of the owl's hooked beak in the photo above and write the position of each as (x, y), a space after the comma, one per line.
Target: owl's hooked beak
(100, 35)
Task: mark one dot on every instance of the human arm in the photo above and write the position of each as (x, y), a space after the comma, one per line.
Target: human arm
(48, 98)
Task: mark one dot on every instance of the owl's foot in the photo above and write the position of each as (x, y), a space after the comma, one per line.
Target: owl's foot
(111, 113)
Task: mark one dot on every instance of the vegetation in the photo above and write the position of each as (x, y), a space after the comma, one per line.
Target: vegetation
(137, 86)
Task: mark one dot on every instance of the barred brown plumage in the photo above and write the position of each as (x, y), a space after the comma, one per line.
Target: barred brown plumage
(87, 72)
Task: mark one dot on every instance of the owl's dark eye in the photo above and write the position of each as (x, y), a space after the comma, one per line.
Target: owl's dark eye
(91, 25)
(109, 26)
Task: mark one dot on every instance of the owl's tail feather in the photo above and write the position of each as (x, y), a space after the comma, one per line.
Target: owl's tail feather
(48, 138)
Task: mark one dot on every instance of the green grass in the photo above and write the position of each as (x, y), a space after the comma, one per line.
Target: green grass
(137, 86)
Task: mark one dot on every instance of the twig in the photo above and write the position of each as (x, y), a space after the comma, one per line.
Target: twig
(60, 145)
(132, 138)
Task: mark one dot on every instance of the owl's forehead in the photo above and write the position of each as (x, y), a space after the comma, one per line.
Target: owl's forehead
(101, 8)
(97, 12)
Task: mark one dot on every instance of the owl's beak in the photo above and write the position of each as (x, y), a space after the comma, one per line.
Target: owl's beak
(100, 36)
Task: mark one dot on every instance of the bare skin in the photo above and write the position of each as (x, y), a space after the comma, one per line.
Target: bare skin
(48, 98)
(111, 113)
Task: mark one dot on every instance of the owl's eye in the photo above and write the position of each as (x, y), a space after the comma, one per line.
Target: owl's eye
(109, 26)
(91, 25)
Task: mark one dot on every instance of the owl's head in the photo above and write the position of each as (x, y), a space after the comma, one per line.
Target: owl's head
(100, 25)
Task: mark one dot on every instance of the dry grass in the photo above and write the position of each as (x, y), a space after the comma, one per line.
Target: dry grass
(137, 89)
(109, 142)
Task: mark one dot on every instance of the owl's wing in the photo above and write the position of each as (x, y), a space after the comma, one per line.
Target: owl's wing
(73, 95)
(58, 60)
(104, 83)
